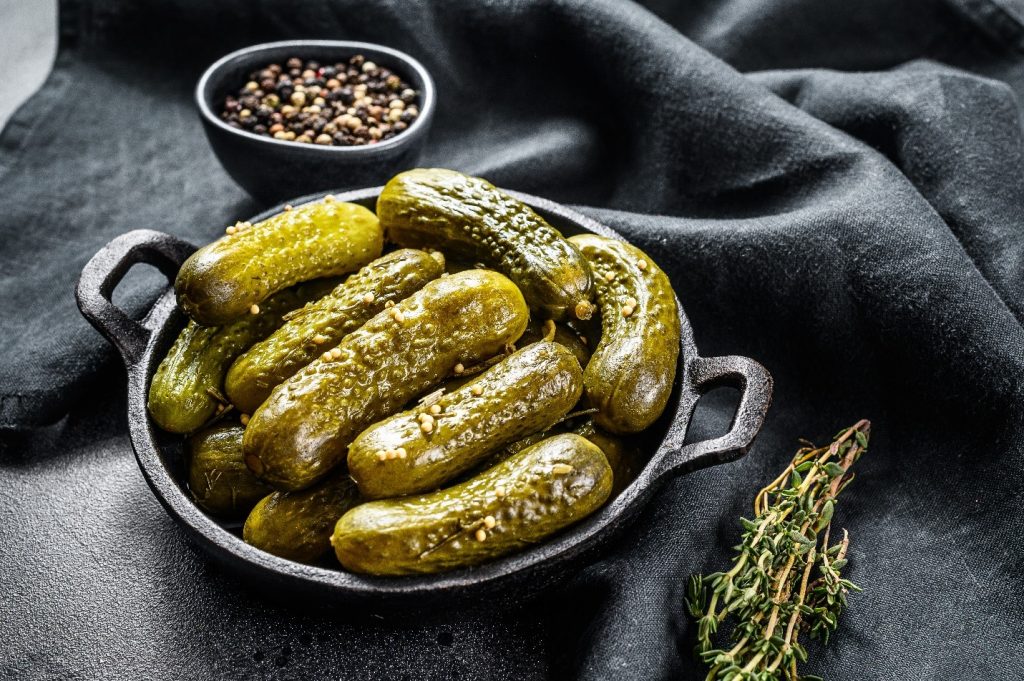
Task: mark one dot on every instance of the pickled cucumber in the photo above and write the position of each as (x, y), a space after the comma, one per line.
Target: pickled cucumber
(470, 217)
(420, 449)
(301, 432)
(222, 281)
(323, 323)
(512, 506)
(298, 525)
(624, 457)
(563, 335)
(185, 391)
(218, 478)
(630, 376)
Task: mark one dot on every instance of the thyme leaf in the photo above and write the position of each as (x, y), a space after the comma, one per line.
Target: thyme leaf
(786, 577)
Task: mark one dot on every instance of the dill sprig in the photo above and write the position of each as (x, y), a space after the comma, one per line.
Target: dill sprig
(786, 578)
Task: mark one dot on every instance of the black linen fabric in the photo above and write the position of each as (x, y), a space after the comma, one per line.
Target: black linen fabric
(834, 188)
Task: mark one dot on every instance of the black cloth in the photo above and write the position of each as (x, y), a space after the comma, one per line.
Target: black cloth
(834, 187)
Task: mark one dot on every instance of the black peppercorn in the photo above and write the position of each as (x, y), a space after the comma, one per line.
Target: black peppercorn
(321, 109)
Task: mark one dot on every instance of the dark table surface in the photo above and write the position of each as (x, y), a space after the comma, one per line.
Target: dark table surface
(97, 581)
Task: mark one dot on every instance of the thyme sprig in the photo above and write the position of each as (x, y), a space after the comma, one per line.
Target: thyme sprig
(786, 578)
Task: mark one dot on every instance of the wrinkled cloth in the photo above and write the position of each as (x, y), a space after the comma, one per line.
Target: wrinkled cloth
(834, 188)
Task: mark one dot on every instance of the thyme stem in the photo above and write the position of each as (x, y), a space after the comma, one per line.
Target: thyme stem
(786, 578)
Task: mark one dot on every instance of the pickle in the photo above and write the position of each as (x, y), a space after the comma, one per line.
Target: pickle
(470, 217)
(298, 525)
(563, 335)
(512, 506)
(303, 428)
(218, 478)
(222, 281)
(421, 449)
(323, 323)
(623, 456)
(185, 391)
(629, 378)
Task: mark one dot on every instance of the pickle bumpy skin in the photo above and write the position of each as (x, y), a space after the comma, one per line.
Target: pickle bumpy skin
(512, 506)
(420, 449)
(186, 389)
(226, 279)
(302, 431)
(470, 217)
(323, 323)
(629, 378)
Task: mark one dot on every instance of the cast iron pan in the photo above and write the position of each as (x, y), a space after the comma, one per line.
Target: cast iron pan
(142, 345)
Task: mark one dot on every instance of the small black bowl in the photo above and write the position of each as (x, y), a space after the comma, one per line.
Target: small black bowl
(272, 169)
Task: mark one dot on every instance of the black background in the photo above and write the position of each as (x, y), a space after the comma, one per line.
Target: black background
(834, 187)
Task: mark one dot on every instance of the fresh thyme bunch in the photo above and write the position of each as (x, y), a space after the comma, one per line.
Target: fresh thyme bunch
(786, 578)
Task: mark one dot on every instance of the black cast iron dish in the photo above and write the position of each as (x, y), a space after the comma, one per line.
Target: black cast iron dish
(271, 169)
(143, 344)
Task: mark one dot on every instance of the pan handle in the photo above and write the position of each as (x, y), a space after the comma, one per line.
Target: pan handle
(755, 386)
(107, 268)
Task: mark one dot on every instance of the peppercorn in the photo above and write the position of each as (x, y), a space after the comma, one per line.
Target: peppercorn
(307, 102)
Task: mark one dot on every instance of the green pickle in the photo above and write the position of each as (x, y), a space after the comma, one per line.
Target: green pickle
(186, 390)
(630, 376)
(298, 525)
(522, 501)
(223, 280)
(623, 456)
(323, 323)
(303, 429)
(469, 217)
(563, 335)
(421, 449)
(218, 478)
